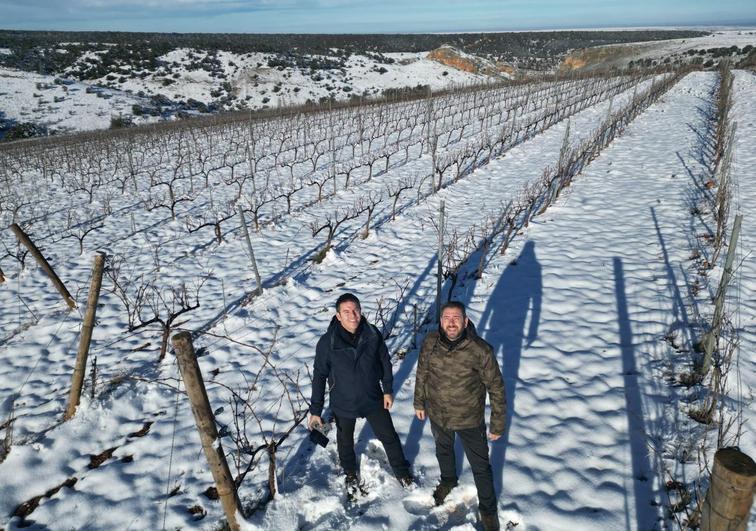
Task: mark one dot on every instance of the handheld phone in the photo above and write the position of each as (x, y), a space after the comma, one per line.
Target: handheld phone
(318, 437)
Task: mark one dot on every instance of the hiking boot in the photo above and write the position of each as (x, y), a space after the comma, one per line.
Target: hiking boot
(490, 521)
(407, 481)
(441, 491)
(353, 489)
(351, 480)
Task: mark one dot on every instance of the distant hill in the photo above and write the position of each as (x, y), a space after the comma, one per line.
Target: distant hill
(53, 51)
(58, 82)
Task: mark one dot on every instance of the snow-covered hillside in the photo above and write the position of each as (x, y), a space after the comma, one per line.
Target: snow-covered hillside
(734, 46)
(674, 48)
(61, 105)
(591, 301)
(185, 82)
(238, 81)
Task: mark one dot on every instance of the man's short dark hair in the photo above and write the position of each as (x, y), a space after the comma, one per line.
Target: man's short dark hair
(454, 304)
(347, 297)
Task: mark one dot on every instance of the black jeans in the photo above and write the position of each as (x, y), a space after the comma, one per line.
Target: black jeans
(383, 427)
(475, 444)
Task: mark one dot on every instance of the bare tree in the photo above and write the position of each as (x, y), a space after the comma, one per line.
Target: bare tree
(395, 190)
(270, 389)
(318, 180)
(257, 201)
(80, 225)
(213, 217)
(368, 205)
(163, 306)
(329, 226)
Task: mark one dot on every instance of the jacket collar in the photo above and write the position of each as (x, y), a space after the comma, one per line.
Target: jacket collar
(364, 333)
(468, 334)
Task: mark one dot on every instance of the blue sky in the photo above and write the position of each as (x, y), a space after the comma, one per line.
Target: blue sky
(366, 16)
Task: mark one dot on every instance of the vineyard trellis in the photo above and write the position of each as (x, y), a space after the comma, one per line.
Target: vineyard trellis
(338, 174)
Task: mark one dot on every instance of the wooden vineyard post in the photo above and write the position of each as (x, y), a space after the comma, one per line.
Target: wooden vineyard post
(87, 328)
(94, 376)
(24, 239)
(708, 343)
(205, 420)
(730, 496)
(440, 269)
(414, 325)
(482, 263)
(272, 469)
(258, 290)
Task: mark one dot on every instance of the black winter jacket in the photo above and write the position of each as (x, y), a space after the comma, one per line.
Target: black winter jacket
(358, 376)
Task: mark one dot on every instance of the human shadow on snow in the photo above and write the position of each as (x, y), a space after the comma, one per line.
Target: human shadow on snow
(516, 296)
(404, 370)
(643, 495)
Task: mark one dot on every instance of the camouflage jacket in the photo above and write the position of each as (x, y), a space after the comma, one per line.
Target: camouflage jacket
(451, 383)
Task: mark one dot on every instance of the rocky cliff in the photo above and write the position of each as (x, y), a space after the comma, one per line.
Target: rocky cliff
(454, 58)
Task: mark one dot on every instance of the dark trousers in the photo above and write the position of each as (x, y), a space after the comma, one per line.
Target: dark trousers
(475, 444)
(383, 427)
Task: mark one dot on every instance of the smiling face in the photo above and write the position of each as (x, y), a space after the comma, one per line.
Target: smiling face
(453, 323)
(349, 315)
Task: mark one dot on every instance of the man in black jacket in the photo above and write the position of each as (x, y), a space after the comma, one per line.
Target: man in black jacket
(353, 358)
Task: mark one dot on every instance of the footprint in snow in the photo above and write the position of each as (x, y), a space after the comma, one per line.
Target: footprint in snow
(419, 502)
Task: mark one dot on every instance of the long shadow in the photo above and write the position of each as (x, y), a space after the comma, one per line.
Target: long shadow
(642, 485)
(517, 294)
(704, 147)
(679, 313)
(699, 189)
(406, 368)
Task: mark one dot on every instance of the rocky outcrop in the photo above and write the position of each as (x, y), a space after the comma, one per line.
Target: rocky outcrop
(454, 58)
(506, 69)
(601, 57)
(572, 62)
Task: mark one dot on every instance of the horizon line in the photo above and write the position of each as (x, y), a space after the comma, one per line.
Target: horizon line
(680, 27)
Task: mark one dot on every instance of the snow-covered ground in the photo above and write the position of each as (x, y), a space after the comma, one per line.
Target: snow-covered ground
(578, 311)
(718, 39)
(743, 297)
(258, 84)
(673, 50)
(577, 308)
(36, 98)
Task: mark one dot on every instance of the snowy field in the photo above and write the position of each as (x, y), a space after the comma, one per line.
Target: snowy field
(579, 308)
(718, 39)
(28, 97)
(254, 81)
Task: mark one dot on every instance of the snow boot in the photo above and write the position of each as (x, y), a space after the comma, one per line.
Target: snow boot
(442, 490)
(353, 488)
(490, 521)
(407, 481)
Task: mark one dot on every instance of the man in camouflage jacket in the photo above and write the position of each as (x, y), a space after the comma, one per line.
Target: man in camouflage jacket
(455, 370)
